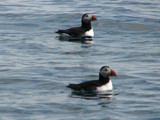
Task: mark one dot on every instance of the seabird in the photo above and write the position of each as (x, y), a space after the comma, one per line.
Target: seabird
(85, 30)
(104, 83)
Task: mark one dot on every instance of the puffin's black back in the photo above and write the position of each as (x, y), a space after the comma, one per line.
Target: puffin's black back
(86, 86)
(76, 31)
(90, 85)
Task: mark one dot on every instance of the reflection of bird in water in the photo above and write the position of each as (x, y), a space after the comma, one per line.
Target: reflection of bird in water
(85, 40)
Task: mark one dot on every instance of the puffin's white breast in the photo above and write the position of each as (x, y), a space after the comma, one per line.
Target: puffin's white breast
(107, 87)
(89, 33)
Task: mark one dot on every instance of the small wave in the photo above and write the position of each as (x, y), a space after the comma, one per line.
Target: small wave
(13, 80)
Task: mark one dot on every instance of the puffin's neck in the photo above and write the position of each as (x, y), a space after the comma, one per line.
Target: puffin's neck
(103, 80)
(86, 26)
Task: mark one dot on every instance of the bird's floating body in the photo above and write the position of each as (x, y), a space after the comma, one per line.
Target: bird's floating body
(103, 84)
(85, 30)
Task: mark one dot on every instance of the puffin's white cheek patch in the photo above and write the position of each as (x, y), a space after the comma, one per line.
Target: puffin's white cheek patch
(105, 72)
(87, 18)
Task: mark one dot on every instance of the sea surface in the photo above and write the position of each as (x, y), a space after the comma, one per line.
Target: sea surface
(36, 65)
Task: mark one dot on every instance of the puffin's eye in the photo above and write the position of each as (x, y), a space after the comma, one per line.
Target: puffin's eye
(86, 15)
(106, 69)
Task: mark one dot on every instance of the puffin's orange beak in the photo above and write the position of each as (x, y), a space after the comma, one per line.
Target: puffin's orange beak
(113, 73)
(93, 18)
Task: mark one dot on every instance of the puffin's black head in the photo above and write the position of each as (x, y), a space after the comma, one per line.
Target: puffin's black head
(106, 71)
(88, 18)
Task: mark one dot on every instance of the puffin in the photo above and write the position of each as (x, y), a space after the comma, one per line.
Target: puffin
(103, 84)
(85, 30)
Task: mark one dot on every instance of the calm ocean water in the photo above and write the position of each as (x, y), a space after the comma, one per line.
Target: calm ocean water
(35, 66)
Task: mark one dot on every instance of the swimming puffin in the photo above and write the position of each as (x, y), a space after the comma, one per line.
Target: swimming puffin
(103, 84)
(85, 30)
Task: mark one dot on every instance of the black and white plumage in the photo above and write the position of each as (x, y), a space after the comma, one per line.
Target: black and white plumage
(85, 30)
(103, 84)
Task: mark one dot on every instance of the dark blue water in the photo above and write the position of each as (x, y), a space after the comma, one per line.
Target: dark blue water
(35, 66)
